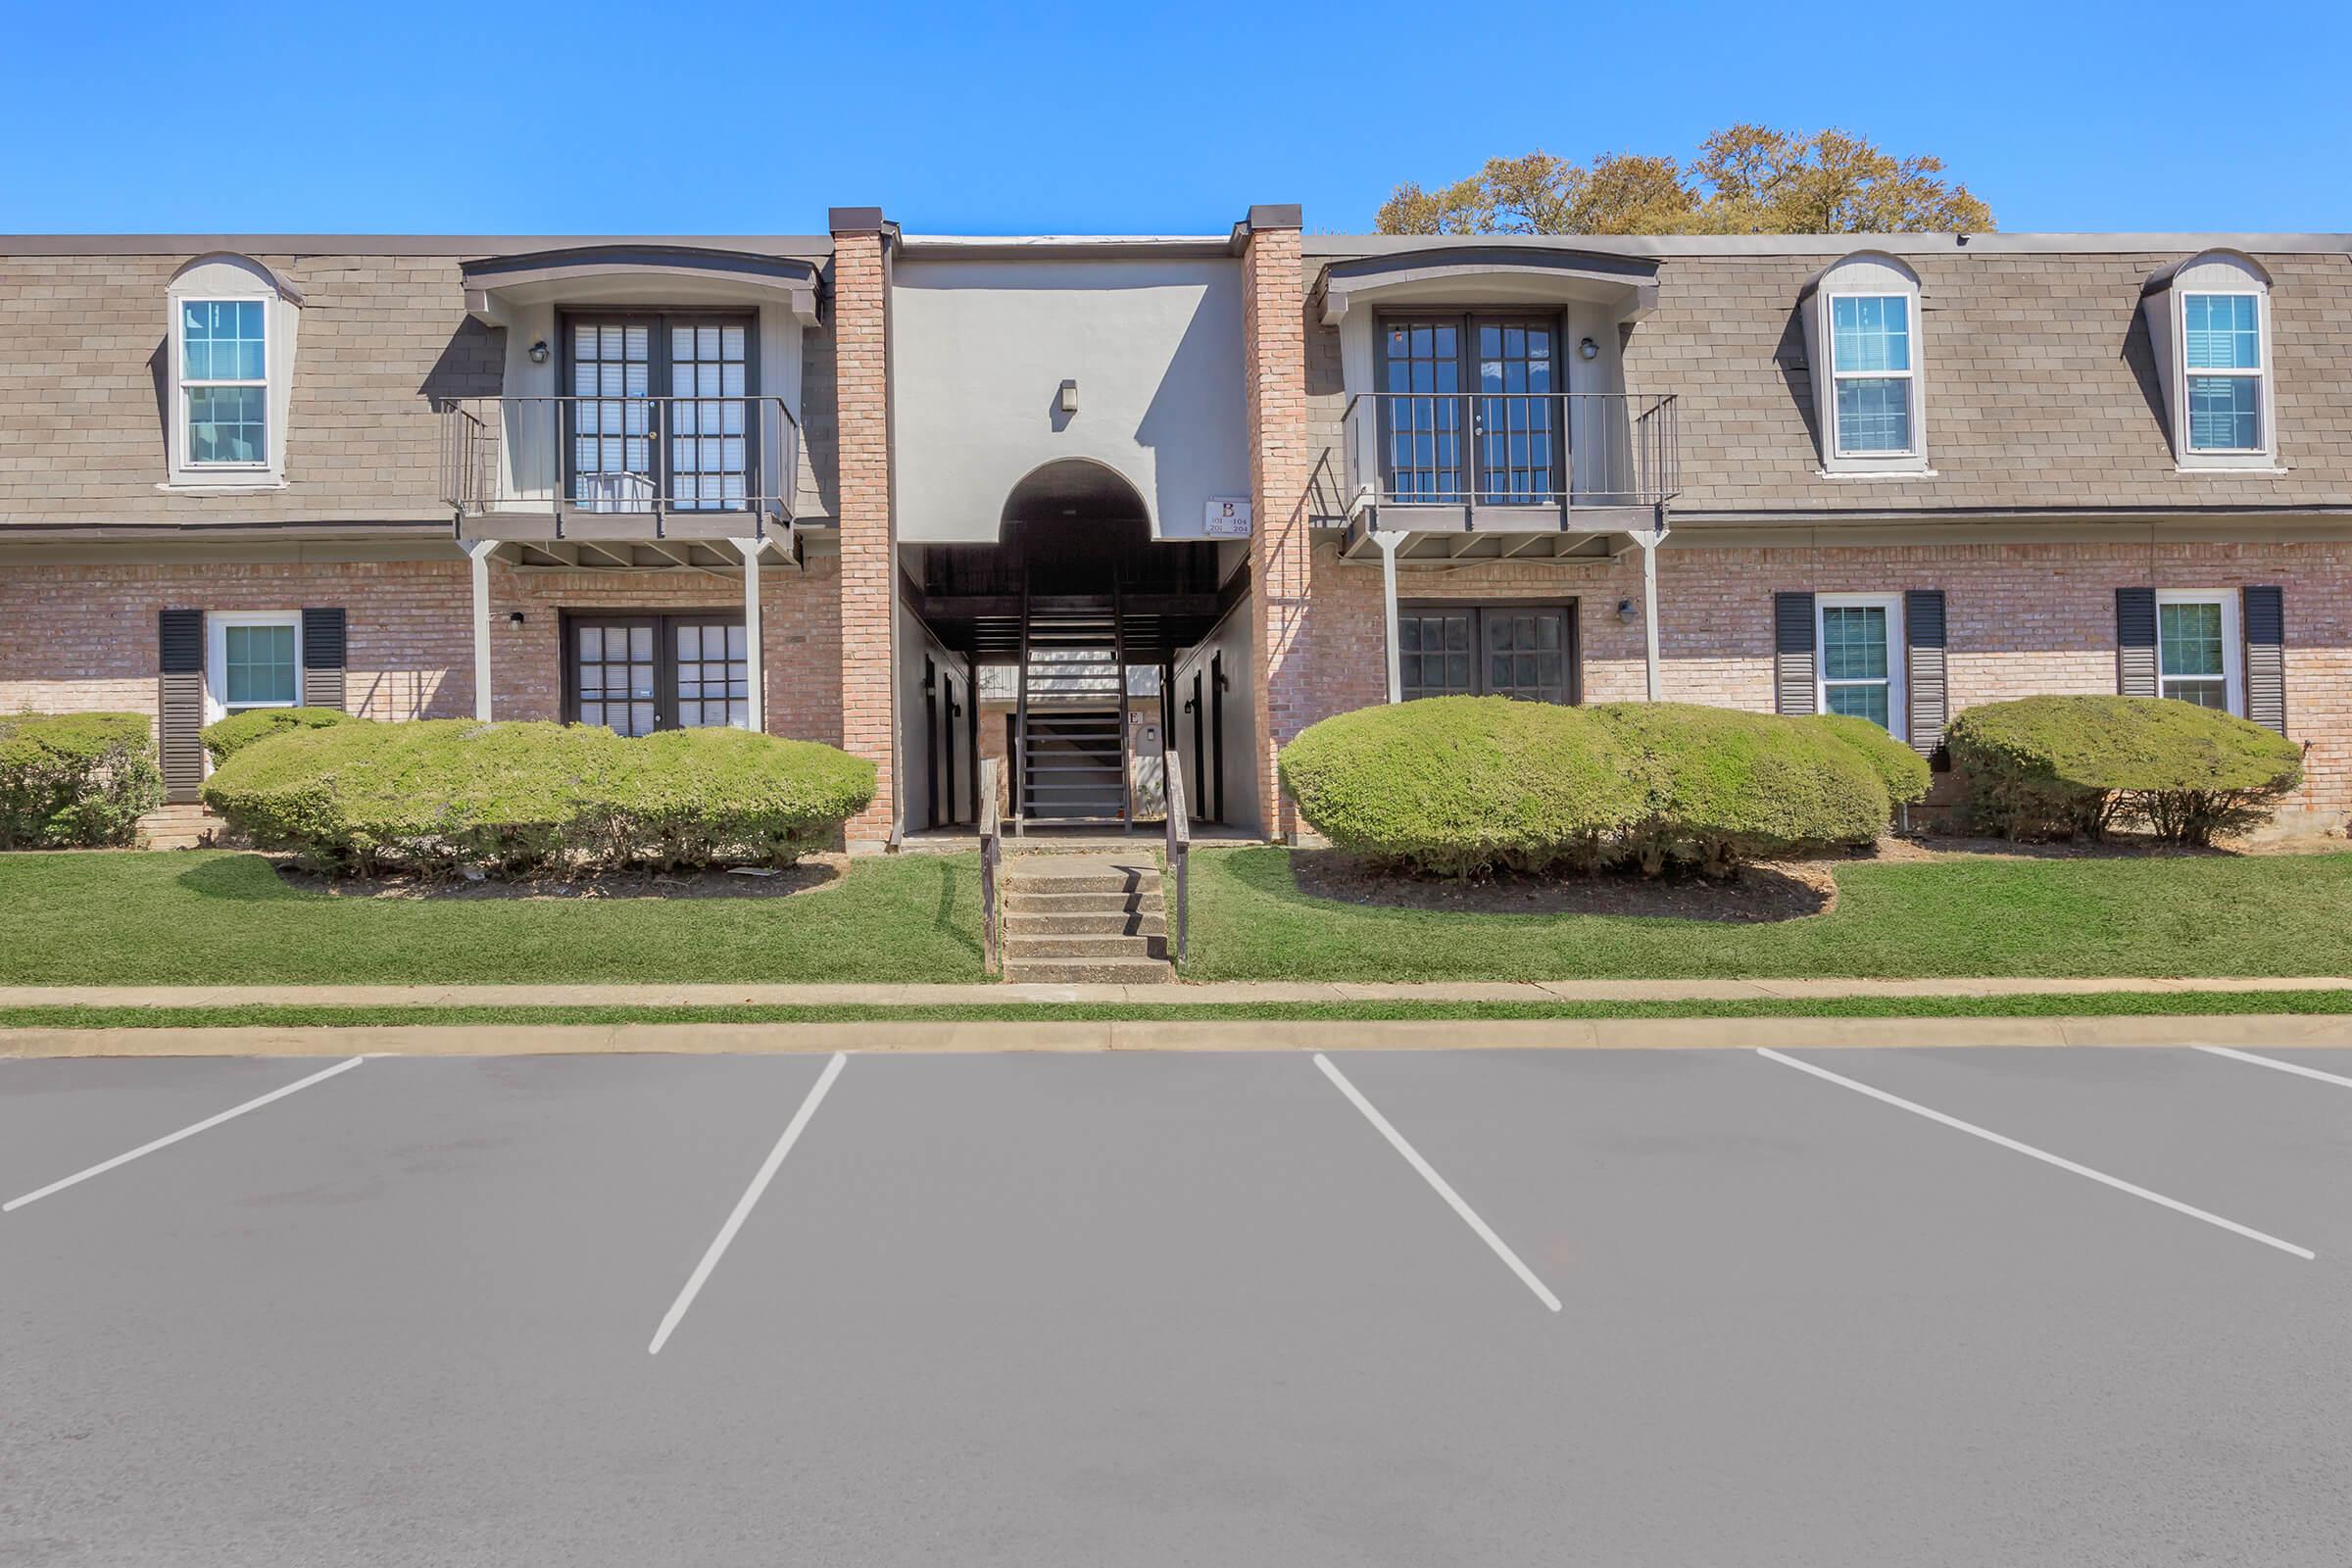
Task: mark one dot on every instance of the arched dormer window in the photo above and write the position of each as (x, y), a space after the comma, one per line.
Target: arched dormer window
(2209, 322)
(1864, 343)
(230, 345)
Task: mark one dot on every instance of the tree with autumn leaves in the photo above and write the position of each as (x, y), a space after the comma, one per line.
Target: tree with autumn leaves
(1748, 180)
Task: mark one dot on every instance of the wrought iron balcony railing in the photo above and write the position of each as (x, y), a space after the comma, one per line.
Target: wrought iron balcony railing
(1538, 450)
(644, 455)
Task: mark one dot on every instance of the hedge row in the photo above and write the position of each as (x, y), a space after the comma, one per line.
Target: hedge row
(75, 780)
(513, 798)
(2065, 767)
(228, 736)
(1456, 786)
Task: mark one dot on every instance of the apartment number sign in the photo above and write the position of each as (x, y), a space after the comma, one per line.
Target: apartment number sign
(1228, 519)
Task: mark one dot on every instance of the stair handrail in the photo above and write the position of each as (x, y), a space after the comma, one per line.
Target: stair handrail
(1118, 654)
(992, 860)
(1179, 838)
(1020, 722)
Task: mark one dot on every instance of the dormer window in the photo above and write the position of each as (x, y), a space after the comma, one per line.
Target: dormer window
(1870, 362)
(231, 351)
(2221, 340)
(1863, 340)
(2208, 325)
(225, 382)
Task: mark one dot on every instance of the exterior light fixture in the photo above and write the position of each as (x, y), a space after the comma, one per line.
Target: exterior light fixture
(1625, 611)
(513, 617)
(1068, 403)
(1589, 349)
(539, 352)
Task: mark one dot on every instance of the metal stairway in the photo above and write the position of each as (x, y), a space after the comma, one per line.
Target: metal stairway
(1073, 713)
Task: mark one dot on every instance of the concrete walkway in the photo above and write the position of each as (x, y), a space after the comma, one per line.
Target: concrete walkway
(1226, 991)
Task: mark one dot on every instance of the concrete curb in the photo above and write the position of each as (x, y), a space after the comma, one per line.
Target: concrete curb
(2264, 1031)
(1233, 991)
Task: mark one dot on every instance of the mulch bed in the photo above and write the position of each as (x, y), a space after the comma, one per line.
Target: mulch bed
(1765, 892)
(813, 874)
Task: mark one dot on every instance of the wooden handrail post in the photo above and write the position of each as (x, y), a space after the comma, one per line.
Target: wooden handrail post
(1180, 843)
(992, 852)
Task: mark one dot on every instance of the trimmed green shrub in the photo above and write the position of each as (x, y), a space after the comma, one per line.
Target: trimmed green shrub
(2062, 767)
(75, 780)
(1726, 786)
(239, 730)
(513, 798)
(1456, 786)
(1902, 770)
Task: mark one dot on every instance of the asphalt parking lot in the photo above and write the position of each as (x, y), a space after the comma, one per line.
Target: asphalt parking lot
(1951, 1306)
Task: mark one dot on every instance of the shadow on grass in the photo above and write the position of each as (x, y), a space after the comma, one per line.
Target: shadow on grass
(942, 916)
(249, 878)
(1761, 895)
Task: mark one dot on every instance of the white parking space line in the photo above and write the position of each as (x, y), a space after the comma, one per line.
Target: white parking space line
(170, 1138)
(2273, 1062)
(1429, 1174)
(2043, 1155)
(743, 1205)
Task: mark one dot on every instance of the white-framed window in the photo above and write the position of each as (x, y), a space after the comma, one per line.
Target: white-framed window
(1871, 375)
(2198, 653)
(1858, 658)
(2222, 359)
(225, 382)
(253, 660)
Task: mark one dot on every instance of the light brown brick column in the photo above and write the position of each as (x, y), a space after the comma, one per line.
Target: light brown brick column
(1281, 548)
(869, 558)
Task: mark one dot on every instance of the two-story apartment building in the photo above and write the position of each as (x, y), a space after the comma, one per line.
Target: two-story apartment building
(814, 484)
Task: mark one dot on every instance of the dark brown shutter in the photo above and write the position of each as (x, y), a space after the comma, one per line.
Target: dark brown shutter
(2136, 642)
(1795, 690)
(1928, 692)
(2265, 657)
(322, 659)
(179, 662)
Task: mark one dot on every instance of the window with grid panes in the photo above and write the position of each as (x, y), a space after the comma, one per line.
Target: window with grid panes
(2192, 653)
(662, 411)
(2222, 342)
(225, 380)
(1422, 370)
(1856, 663)
(1521, 650)
(1515, 418)
(635, 674)
(1870, 364)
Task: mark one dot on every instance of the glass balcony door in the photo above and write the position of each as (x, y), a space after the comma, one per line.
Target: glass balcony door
(657, 416)
(1470, 412)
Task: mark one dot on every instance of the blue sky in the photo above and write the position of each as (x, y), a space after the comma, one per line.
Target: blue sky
(684, 118)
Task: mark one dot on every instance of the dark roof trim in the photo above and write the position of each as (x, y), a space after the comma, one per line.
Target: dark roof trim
(1068, 247)
(1364, 274)
(813, 247)
(1669, 246)
(2162, 279)
(790, 276)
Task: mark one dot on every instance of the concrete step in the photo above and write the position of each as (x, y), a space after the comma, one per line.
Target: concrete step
(1021, 883)
(1029, 900)
(1068, 947)
(1089, 971)
(1111, 923)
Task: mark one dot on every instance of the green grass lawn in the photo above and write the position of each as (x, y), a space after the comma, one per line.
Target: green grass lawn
(307, 1016)
(214, 917)
(2289, 915)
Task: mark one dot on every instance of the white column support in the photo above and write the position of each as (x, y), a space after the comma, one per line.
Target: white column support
(1388, 539)
(1649, 604)
(757, 708)
(477, 551)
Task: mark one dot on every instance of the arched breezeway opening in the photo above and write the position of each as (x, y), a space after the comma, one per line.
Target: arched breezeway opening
(1069, 632)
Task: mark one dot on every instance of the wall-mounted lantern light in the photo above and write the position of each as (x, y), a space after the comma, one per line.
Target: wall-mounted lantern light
(539, 352)
(1070, 397)
(1625, 611)
(515, 618)
(1589, 349)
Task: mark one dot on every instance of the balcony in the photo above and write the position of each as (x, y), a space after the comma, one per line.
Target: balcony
(684, 466)
(1518, 463)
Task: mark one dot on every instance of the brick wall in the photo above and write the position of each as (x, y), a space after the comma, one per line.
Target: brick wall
(869, 554)
(1281, 548)
(82, 637)
(2022, 620)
